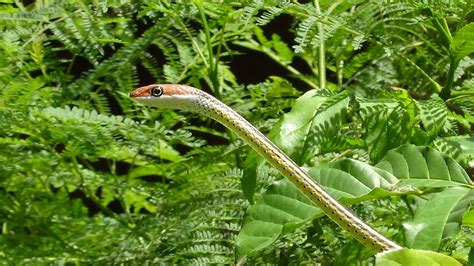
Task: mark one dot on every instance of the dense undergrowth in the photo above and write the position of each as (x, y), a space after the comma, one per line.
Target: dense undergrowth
(374, 98)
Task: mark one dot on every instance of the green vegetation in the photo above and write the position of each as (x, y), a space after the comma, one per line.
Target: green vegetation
(375, 99)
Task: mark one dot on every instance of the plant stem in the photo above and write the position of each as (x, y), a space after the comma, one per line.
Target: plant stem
(91, 195)
(446, 30)
(443, 30)
(446, 91)
(435, 84)
(191, 38)
(213, 66)
(322, 51)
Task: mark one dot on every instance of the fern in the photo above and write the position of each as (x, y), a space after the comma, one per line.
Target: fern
(74, 28)
(272, 12)
(251, 10)
(112, 64)
(305, 33)
(40, 14)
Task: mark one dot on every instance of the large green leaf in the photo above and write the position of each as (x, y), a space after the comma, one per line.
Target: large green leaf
(460, 148)
(457, 213)
(433, 114)
(421, 166)
(468, 219)
(323, 135)
(283, 207)
(353, 181)
(463, 42)
(412, 257)
(436, 216)
(387, 125)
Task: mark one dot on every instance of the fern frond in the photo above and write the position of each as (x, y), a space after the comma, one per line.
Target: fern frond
(249, 11)
(273, 12)
(42, 14)
(151, 64)
(178, 54)
(329, 29)
(305, 32)
(81, 115)
(102, 104)
(119, 60)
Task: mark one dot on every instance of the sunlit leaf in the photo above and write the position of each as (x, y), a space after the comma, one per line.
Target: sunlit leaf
(433, 114)
(414, 257)
(387, 126)
(468, 219)
(463, 41)
(460, 148)
(431, 217)
(423, 167)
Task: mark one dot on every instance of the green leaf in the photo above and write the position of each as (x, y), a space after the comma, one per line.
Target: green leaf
(282, 49)
(294, 132)
(167, 152)
(433, 114)
(455, 217)
(284, 208)
(148, 170)
(348, 180)
(303, 132)
(280, 88)
(412, 257)
(352, 181)
(421, 166)
(460, 148)
(249, 175)
(463, 42)
(324, 132)
(281, 208)
(468, 219)
(427, 228)
(386, 124)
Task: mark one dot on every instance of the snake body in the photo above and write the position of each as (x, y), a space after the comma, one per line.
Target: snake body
(191, 99)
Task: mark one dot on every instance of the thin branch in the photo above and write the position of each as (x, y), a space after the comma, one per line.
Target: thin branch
(322, 51)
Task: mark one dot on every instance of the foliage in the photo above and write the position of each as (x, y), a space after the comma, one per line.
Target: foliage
(374, 99)
(409, 257)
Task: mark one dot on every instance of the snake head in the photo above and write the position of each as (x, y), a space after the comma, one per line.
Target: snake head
(157, 90)
(173, 96)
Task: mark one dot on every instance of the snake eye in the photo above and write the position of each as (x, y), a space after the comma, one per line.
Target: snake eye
(157, 91)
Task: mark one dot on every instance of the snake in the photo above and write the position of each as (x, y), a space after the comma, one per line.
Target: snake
(190, 99)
